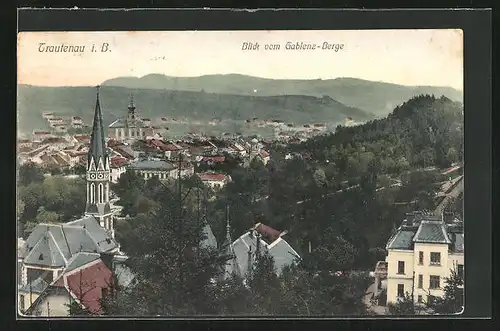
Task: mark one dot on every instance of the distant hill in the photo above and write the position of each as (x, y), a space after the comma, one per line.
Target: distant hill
(374, 97)
(154, 103)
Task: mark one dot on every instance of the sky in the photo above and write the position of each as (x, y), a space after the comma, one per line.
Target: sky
(407, 57)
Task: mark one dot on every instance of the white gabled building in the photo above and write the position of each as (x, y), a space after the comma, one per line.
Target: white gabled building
(420, 256)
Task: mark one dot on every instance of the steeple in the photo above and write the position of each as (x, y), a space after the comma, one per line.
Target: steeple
(97, 151)
(228, 228)
(231, 267)
(98, 174)
(131, 105)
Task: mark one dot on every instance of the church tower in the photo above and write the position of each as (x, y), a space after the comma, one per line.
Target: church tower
(131, 112)
(98, 174)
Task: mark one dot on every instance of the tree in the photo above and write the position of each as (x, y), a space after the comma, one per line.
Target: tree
(75, 309)
(453, 300)
(30, 173)
(174, 273)
(265, 286)
(403, 307)
(45, 216)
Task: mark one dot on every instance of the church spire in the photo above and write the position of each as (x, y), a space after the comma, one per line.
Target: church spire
(98, 174)
(228, 227)
(131, 105)
(97, 150)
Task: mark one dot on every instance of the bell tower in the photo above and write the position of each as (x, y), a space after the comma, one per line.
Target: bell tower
(98, 174)
(131, 112)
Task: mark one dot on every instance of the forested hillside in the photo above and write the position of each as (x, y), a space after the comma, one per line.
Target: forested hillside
(192, 106)
(374, 97)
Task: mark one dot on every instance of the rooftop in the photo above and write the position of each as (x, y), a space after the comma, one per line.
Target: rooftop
(424, 227)
(152, 165)
(53, 245)
(212, 177)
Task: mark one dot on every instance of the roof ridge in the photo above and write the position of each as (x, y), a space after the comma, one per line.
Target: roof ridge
(33, 249)
(90, 236)
(58, 248)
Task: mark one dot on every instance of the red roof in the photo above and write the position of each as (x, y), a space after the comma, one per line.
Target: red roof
(211, 177)
(170, 147)
(450, 170)
(118, 161)
(215, 159)
(87, 283)
(112, 142)
(77, 118)
(156, 143)
(266, 231)
(41, 132)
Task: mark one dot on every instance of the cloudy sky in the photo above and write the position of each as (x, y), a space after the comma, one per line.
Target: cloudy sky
(408, 57)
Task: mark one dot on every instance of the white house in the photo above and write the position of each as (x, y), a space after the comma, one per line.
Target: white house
(421, 254)
(214, 180)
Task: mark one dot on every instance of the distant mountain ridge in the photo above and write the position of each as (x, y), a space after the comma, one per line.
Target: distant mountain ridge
(378, 98)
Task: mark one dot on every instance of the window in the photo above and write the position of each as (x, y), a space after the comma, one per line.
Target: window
(21, 302)
(435, 258)
(92, 193)
(401, 267)
(460, 270)
(434, 282)
(101, 193)
(420, 258)
(401, 290)
(420, 281)
(420, 299)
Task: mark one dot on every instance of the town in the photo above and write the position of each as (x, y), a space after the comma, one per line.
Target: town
(67, 268)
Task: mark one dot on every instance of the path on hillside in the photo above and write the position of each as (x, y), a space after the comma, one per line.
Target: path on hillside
(459, 188)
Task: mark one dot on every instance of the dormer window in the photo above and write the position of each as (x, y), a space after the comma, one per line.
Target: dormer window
(40, 257)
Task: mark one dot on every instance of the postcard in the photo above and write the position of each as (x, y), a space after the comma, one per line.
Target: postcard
(240, 173)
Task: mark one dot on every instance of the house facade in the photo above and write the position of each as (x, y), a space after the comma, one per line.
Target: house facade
(214, 180)
(421, 254)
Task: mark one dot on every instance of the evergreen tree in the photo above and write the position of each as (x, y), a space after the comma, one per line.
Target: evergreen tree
(453, 300)
(175, 275)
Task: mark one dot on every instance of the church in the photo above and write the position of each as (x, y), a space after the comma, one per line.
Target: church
(62, 263)
(131, 127)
